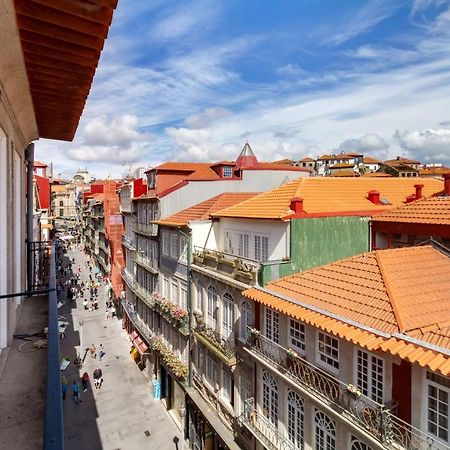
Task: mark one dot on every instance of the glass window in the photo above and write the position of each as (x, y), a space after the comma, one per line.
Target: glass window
(272, 320)
(174, 293)
(183, 298)
(199, 299)
(227, 172)
(183, 247)
(295, 420)
(370, 376)
(245, 392)
(166, 288)
(438, 405)
(297, 335)
(243, 245)
(211, 370)
(329, 351)
(165, 242)
(246, 319)
(227, 386)
(227, 315)
(261, 248)
(358, 445)
(325, 434)
(212, 307)
(228, 244)
(174, 246)
(270, 398)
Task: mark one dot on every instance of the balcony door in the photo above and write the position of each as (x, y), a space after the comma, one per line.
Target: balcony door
(270, 398)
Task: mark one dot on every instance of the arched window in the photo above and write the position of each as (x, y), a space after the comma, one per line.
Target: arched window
(358, 445)
(199, 297)
(270, 398)
(61, 203)
(246, 319)
(295, 420)
(325, 435)
(212, 307)
(227, 315)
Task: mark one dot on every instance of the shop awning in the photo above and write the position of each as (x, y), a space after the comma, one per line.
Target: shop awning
(133, 335)
(143, 348)
(137, 342)
(211, 416)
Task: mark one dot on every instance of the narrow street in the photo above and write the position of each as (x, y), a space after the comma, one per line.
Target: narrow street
(122, 414)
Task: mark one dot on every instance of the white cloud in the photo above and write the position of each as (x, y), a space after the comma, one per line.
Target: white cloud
(428, 145)
(206, 117)
(369, 143)
(291, 70)
(108, 154)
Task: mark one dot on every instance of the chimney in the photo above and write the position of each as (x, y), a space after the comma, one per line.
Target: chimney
(410, 198)
(297, 205)
(374, 197)
(447, 184)
(418, 191)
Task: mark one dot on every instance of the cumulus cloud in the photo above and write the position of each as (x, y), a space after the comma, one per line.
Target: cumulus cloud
(206, 117)
(108, 154)
(369, 143)
(428, 145)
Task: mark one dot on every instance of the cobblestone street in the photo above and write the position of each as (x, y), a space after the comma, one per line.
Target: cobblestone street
(122, 414)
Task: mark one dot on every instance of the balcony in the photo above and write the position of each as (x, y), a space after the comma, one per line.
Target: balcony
(104, 246)
(371, 417)
(147, 229)
(171, 359)
(263, 429)
(128, 242)
(149, 264)
(174, 314)
(216, 343)
(239, 268)
(146, 296)
(138, 323)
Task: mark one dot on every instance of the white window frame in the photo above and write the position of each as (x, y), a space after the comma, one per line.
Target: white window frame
(261, 247)
(369, 386)
(211, 370)
(272, 324)
(226, 391)
(325, 430)
(174, 293)
(212, 306)
(441, 384)
(183, 295)
(297, 336)
(165, 244)
(174, 250)
(295, 419)
(183, 248)
(246, 319)
(244, 245)
(270, 398)
(227, 172)
(227, 315)
(357, 444)
(324, 358)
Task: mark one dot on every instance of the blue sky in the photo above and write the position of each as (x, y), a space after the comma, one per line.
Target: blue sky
(194, 80)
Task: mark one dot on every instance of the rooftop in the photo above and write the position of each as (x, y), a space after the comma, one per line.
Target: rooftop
(377, 300)
(370, 160)
(400, 160)
(330, 195)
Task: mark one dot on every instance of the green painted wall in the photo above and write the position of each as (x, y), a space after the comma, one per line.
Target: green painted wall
(319, 241)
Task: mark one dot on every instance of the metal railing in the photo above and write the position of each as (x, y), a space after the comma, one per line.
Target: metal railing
(263, 428)
(372, 417)
(128, 242)
(53, 422)
(149, 229)
(149, 264)
(139, 324)
(146, 296)
(103, 246)
(41, 252)
(223, 344)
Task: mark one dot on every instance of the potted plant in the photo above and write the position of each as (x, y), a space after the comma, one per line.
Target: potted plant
(254, 335)
(291, 357)
(354, 391)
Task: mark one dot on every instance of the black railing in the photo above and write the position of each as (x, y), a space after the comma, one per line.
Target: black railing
(53, 423)
(39, 273)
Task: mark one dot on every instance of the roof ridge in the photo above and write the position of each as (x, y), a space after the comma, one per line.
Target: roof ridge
(393, 301)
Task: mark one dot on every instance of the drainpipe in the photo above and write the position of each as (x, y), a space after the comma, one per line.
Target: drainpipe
(190, 309)
(29, 157)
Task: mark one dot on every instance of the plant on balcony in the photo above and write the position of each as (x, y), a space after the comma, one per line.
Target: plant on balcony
(177, 367)
(216, 339)
(173, 313)
(354, 390)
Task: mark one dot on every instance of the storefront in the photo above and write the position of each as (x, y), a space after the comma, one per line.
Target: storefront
(140, 354)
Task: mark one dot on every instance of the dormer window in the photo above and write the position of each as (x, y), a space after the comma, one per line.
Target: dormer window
(227, 172)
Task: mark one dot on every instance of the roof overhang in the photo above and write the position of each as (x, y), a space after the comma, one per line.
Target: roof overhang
(61, 43)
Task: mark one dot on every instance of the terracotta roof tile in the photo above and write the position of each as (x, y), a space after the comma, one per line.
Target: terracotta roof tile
(203, 210)
(345, 173)
(395, 292)
(370, 160)
(329, 195)
(431, 210)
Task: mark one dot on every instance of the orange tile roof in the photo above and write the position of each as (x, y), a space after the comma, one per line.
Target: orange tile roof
(434, 171)
(339, 165)
(431, 210)
(307, 159)
(400, 160)
(197, 170)
(203, 210)
(274, 166)
(378, 300)
(345, 173)
(377, 175)
(329, 195)
(370, 160)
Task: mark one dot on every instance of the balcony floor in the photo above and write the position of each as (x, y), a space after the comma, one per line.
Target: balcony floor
(22, 382)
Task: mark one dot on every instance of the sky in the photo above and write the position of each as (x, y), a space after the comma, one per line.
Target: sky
(195, 80)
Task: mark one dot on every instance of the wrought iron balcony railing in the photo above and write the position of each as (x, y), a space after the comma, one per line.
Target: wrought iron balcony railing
(148, 229)
(264, 430)
(139, 324)
(150, 264)
(146, 296)
(237, 267)
(128, 242)
(373, 418)
(40, 264)
(223, 348)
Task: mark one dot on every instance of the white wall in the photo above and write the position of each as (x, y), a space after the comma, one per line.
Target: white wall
(3, 240)
(198, 191)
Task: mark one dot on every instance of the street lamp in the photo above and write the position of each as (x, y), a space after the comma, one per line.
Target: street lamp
(80, 323)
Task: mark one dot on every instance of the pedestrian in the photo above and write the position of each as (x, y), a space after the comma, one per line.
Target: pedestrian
(98, 378)
(76, 392)
(85, 381)
(63, 387)
(101, 352)
(93, 351)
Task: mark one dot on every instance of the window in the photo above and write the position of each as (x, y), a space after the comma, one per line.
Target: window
(243, 245)
(272, 320)
(325, 435)
(61, 203)
(199, 299)
(227, 172)
(198, 359)
(227, 242)
(166, 288)
(358, 445)
(329, 351)
(245, 393)
(370, 376)
(183, 247)
(270, 398)
(297, 335)
(227, 315)
(174, 246)
(227, 386)
(61, 212)
(246, 319)
(212, 307)
(295, 419)
(165, 242)
(174, 293)
(211, 370)
(438, 389)
(183, 297)
(261, 248)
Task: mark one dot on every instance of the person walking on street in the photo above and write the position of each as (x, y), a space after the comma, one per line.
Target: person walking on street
(93, 351)
(85, 381)
(101, 352)
(98, 378)
(76, 392)
(63, 387)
